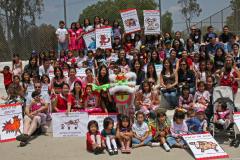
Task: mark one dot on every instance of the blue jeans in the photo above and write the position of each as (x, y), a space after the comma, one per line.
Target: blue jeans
(62, 46)
(172, 141)
(171, 97)
(146, 141)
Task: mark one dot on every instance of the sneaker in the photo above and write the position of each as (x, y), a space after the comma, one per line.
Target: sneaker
(115, 151)
(155, 144)
(111, 152)
(166, 147)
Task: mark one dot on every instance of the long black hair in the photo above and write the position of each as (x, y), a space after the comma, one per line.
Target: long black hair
(74, 91)
(107, 121)
(154, 71)
(90, 123)
(170, 66)
(105, 79)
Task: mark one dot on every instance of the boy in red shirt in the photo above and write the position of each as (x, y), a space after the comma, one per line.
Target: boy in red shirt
(7, 76)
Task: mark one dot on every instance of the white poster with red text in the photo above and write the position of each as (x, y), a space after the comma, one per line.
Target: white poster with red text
(11, 122)
(204, 146)
(103, 37)
(130, 20)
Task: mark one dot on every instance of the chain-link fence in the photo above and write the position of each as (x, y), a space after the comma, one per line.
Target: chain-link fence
(227, 16)
(20, 34)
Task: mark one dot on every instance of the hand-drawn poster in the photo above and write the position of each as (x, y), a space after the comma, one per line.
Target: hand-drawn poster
(90, 40)
(73, 124)
(103, 37)
(130, 20)
(204, 146)
(151, 22)
(11, 122)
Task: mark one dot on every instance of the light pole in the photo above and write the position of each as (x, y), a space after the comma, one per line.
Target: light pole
(160, 10)
(65, 12)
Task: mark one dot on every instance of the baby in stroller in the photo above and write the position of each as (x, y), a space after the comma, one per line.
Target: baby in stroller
(222, 115)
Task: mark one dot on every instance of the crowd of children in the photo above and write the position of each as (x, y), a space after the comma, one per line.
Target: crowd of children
(50, 83)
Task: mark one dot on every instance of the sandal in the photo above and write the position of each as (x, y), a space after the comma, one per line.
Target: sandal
(128, 150)
(123, 150)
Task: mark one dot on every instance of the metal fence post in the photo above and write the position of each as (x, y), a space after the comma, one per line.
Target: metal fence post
(222, 17)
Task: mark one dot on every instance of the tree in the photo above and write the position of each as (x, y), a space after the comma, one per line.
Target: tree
(19, 15)
(190, 9)
(167, 22)
(40, 38)
(109, 9)
(3, 46)
(233, 20)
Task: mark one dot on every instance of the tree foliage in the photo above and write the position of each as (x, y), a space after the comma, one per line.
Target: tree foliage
(233, 20)
(109, 9)
(18, 16)
(167, 22)
(190, 9)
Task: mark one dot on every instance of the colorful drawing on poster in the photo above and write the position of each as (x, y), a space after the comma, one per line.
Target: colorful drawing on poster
(103, 37)
(68, 124)
(12, 126)
(130, 20)
(72, 124)
(204, 145)
(11, 122)
(90, 40)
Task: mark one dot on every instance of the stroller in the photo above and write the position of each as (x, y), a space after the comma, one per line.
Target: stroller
(224, 95)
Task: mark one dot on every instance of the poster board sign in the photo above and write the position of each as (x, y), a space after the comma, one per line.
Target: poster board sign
(99, 117)
(90, 40)
(103, 37)
(130, 20)
(72, 125)
(204, 146)
(151, 22)
(11, 122)
(236, 118)
(81, 72)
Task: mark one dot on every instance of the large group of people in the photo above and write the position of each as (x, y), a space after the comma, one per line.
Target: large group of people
(190, 69)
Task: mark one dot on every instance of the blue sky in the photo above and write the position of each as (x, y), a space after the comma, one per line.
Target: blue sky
(53, 10)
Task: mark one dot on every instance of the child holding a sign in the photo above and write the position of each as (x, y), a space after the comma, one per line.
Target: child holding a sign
(95, 142)
(109, 133)
(177, 129)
